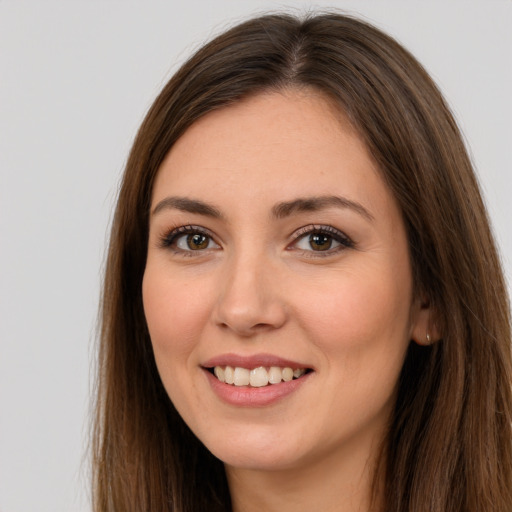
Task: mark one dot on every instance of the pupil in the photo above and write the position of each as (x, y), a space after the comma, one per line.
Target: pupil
(320, 242)
(197, 241)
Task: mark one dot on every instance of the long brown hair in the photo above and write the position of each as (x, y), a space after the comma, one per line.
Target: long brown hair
(449, 447)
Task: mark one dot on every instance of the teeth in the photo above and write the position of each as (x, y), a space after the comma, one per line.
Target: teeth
(287, 374)
(275, 375)
(257, 377)
(219, 373)
(241, 377)
(229, 375)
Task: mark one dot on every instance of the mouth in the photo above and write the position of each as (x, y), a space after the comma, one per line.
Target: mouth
(258, 377)
(257, 380)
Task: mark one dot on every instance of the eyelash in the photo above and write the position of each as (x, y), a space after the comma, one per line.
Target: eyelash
(168, 241)
(333, 233)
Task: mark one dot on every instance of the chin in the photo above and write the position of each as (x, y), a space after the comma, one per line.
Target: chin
(257, 460)
(256, 451)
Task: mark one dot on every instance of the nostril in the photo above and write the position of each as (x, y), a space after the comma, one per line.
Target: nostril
(260, 326)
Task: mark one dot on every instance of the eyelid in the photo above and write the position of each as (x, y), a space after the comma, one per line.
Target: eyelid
(339, 236)
(167, 240)
(169, 237)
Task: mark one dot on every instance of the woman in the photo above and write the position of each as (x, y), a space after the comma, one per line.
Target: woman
(303, 302)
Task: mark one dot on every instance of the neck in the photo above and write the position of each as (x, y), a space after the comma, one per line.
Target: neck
(329, 484)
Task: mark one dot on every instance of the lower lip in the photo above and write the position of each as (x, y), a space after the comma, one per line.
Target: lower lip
(245, 396)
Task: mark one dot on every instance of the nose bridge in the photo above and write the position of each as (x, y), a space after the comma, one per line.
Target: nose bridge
(249, 300)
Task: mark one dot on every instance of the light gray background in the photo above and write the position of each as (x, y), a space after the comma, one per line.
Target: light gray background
(76, 78)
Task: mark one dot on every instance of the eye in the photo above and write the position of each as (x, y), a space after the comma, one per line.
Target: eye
(317, 242)
(189, 239)
(193, 242)
(321, 239)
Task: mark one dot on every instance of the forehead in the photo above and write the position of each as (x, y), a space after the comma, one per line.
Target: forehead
(275, 145)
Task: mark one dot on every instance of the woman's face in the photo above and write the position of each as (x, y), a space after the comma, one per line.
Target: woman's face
(275, 245)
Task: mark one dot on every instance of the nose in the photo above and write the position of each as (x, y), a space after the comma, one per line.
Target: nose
(250, 300)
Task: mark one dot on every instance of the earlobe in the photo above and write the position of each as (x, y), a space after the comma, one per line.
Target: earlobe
(424, 330)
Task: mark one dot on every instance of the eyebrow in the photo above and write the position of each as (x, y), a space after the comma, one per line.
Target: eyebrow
(313, 204)
(279, 211)
(188, 205)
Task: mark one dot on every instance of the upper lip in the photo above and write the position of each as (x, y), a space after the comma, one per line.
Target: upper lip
(253, 361)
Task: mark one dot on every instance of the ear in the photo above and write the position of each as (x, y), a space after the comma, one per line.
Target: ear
(423, 326)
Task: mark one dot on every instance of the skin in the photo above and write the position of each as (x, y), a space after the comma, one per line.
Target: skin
(349, 313)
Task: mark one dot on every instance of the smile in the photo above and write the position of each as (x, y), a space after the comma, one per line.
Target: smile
(257, 377)
(257, 380)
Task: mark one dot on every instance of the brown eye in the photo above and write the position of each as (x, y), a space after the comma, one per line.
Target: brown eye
(188, 239)
(197, 242)
(320, 241)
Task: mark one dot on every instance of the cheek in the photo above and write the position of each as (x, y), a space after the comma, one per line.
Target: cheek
(363, 310)
(176, 312)
(360, 323)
